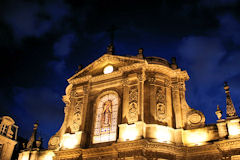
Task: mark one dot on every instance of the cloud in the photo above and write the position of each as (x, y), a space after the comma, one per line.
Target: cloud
(210, 64)
(229, 28)
(39, 103)
(218, 3)
(203, 54)
(58, 66)
(30, 18)
(63, 47)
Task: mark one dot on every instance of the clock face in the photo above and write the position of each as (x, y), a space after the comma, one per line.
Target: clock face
(106, 118)
(108, 69)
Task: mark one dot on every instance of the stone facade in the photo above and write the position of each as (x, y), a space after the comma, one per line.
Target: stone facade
(8, 136)
(136, 110)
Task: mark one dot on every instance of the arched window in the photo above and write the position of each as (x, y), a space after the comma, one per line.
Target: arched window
(105, 126)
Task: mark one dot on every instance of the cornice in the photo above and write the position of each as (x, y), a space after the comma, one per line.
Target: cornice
(156, 68)
(68, 152)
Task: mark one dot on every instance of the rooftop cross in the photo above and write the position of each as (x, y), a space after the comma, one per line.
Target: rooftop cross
(111, 30)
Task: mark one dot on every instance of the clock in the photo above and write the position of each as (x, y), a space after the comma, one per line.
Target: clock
(108, 69)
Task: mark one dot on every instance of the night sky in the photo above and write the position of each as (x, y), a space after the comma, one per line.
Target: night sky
(42, 42)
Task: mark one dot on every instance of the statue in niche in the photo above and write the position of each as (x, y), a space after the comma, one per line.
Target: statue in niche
(106, 114)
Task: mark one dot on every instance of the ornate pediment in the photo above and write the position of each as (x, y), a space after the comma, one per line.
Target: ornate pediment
(97, 67)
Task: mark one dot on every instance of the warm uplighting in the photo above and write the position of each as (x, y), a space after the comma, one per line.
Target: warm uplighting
(234, 129)
(49, 156)
(25, 157)
(163, 136)
(108, 69)
(196, 138)
(130, 133)
(69, 141)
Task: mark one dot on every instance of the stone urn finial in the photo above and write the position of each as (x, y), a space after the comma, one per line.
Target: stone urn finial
(218, 112)
(38, 142)
(173, 63)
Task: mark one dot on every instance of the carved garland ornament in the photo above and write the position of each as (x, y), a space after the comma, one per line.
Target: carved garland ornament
(160, 103)
(133, 102)
(77, 115)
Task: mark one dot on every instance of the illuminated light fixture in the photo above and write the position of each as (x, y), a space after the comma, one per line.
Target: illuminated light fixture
(108, 69)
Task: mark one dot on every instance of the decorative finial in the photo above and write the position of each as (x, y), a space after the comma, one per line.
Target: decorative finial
(140, 53)
(231, 111)
(110, 49)
(79, 68)
(32, 139)
(218, 112)
(173, 63)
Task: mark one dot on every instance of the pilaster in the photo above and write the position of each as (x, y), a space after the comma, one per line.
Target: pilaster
(176, 104)
(222, 129)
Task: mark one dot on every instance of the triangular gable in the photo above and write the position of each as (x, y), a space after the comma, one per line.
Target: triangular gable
(96, 68)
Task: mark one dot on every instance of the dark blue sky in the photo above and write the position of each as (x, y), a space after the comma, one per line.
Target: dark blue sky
(43, 41)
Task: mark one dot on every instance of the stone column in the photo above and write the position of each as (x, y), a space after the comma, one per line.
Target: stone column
(141, 78)
(168, 103)
(84, 115)
(125, 100)
(152, 98)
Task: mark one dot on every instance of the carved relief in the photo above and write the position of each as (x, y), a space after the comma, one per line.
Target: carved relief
(133, 103)
(77, 115)
(160, 104)
(54, 141)
(166, 83)
(195, 119)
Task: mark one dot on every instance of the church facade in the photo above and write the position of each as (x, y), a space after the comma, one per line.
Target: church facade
(134, 107)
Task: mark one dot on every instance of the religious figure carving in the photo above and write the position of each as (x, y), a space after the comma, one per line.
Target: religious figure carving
(160, 104)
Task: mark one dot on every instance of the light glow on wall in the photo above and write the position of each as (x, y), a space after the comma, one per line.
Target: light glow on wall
(25, 157)
(130, 133)
(49, 156)
(233, 129)
(163, 136)
(197, 137)
(69, 141)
